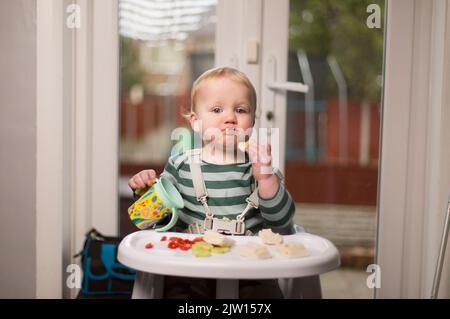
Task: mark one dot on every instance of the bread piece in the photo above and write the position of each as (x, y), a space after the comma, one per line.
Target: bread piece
(253, 250)
(217, 239)
(292, 250)
(270, 238)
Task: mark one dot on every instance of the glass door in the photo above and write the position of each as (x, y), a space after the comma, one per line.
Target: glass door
(330, 134)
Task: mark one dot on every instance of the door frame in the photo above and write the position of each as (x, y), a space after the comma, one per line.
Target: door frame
(77, 135)
(414, 177)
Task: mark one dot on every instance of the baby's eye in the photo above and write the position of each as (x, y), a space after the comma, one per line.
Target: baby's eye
(241, 109)
(216, 109)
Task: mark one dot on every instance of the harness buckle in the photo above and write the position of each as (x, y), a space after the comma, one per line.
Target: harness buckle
(228, 227)
(202, 199)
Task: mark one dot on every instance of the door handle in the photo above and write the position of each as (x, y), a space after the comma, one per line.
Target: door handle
(275, 86)
(288, 86)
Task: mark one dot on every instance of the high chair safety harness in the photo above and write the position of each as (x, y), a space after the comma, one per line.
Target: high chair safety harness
(231, 227)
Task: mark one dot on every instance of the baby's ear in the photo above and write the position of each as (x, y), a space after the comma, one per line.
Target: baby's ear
(195, 122)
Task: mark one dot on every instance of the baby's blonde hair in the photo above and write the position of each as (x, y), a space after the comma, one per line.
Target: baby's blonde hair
(233, 74)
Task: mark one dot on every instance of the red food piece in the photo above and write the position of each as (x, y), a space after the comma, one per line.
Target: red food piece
(181, 243)
(163, 238)
(149, 246)
(185, 247)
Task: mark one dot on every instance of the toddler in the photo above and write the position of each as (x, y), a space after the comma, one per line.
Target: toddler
(223, 106)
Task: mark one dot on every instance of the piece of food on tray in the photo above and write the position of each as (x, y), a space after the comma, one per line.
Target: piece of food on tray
(220, 250)
(270, 238)
(181, 243)
(204, 249)
(217, 239)
(292, 250)
(254, 250)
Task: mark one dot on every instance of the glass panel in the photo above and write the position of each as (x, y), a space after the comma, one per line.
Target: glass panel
(164, 46)
(333, 130)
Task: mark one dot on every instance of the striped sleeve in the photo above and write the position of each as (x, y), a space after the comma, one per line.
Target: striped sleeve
(279, 210)
(170, 170)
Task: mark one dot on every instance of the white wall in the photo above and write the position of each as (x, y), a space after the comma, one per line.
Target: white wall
(18, 148)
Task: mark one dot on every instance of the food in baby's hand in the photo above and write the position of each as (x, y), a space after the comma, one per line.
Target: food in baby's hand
(254, 250)
(292, 250)
(217, 239)
(270, 238)
(242, 146)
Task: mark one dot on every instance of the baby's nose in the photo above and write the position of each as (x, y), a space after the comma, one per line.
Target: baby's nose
(230, 117)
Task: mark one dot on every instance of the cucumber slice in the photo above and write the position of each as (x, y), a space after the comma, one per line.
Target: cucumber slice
(201, 253)
(202, 245)
(201, 249)
(220, 250)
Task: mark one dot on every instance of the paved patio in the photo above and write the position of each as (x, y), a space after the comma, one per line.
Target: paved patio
(353, 230)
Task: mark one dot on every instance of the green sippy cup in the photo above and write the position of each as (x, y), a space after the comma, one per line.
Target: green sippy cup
(160, 199)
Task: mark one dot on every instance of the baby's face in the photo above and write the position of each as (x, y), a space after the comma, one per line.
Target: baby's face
(223, 107)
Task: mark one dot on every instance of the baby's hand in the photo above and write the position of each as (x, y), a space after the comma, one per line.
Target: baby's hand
(261, 158)
(143, 179)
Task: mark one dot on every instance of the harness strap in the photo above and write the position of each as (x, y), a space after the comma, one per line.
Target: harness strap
(197, 180)
(202, 193)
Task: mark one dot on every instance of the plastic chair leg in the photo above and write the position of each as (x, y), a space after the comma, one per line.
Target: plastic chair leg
(301, 288)
(148, 286)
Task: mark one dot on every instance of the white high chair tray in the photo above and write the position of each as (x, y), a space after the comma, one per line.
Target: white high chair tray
(323, 257)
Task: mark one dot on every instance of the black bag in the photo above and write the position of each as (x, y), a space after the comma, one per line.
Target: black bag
(103, 274)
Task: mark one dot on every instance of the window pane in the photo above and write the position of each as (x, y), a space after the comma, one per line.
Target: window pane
(164, 46)
(333, 130)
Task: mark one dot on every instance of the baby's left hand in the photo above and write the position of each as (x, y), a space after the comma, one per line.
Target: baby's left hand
(261, 158)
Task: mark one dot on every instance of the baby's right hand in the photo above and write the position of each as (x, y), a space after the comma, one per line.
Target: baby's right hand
(143, 179)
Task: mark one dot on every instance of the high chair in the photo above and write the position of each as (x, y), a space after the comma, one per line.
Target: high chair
(297, 277)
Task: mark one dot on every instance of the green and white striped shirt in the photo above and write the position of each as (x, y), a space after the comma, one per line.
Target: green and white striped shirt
(228, 186)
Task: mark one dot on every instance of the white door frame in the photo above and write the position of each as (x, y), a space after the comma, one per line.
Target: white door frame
(95, 115)
(414, 170)
(77, 134)
(49, 149)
